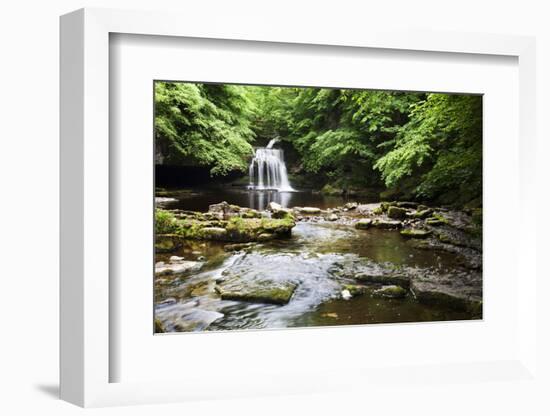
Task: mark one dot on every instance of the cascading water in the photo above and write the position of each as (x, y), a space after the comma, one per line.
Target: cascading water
(268, 170)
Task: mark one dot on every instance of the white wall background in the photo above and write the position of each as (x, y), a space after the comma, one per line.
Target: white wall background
(29, 183)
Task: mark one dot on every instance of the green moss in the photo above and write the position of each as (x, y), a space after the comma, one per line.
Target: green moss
(165, 222)
(397, 213)
(159, 327)
(392, 291)
(378, 211)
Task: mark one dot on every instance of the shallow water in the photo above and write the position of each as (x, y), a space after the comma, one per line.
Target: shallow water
(311, 259)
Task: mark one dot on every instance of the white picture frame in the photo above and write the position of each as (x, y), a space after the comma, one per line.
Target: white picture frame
(86, 356)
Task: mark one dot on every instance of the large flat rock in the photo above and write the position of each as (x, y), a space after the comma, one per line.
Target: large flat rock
(256, 291)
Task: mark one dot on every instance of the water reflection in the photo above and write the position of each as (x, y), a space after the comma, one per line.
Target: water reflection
(199, 200)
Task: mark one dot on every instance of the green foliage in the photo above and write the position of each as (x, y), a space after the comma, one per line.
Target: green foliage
(426, 146)
(204, 124)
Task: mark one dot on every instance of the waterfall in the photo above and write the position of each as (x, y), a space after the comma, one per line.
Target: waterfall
(268, 170)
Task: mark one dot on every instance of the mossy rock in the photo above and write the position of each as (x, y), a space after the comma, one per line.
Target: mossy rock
(378, 211)
(214, 233)
(363, 224)
(310, 211)
(422, 214)
(355, 290)
(258, 291)
(251, 213)
(397, 213)
(415, 233)
(386, 224)
(167, 243)
(435, 295)
(392, 292)
(282, 214)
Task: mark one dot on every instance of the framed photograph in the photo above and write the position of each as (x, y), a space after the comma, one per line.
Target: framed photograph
(258, 204)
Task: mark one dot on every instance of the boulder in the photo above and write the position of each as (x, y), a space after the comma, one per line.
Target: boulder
(251, 213)
(223, 210)
(397, 213)
(351, 205)
(274, 207)
(281, 214)
(392, 292)
(332, 217)
(363, 223)
(415, 233)
(310, 210)
(256, 291)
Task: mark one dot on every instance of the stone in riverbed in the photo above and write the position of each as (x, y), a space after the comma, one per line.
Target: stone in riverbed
(458, 297)
(179, 267)
(256, 291)
(397, 213)
(385, 279)
(363, 224)
(406, 204)
(392, 292)
(333, 217)
(274, 207)
(415, 233)
(386, 224)
(421, 214)
(351, 205)
(237, 247)
(166, 243)
(310, 210)
(214, 233)
(281, 214)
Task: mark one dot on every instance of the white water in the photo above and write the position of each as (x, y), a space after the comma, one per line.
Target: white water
(268, 170)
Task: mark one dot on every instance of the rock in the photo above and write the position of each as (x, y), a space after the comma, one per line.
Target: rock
(363, 223)
(392, 292)
(265, 237)
(237, 247)
(385, 279)
(386, 224)
(333, 217)
(421, 214)
(281, 214)
(256, 291)
(274, 207)
(453, 296)
(351, 205)
(223, 210)
(378, 211)
(214, 233)
(178, 268)
(407, 204)
(251, 213)
(175, 259)
(310, 210)
(159, 263)
(354, 290)
(434, 222)
(397, 213)
(415, 233)
(346, 295)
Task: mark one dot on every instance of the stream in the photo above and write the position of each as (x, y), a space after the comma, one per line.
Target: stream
(310, 258)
